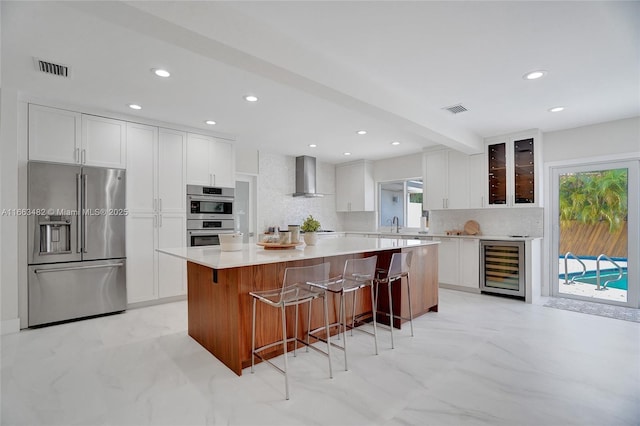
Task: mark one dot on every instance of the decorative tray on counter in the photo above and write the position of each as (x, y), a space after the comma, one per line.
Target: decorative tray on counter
(278, 246)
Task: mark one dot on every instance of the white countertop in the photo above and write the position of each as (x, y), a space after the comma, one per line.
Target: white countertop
(416, 234)
(252, 254)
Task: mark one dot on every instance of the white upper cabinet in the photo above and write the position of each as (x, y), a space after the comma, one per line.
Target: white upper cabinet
(172, 152)
(54, 134)
(445, 180)
(355, 188)
(514, 177)
(141, 167)
(210, 161)
(71, 137)
(103, 142)
(222, 163)
(477, 177)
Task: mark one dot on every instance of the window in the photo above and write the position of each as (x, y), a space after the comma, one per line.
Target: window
(401, 199)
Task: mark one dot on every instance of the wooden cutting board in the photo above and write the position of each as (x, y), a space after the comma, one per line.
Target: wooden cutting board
(471, 227)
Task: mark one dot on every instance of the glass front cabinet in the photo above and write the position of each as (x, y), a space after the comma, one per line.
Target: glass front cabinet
(513, 170)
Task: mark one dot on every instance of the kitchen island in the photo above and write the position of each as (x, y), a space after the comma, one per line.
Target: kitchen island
(219, 282)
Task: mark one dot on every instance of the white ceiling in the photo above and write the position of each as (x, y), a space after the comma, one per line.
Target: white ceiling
(323, 70)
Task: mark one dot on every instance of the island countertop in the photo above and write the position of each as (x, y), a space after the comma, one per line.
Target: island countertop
(252, 254)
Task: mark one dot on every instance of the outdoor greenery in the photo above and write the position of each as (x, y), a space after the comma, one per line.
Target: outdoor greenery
(592, 197)
(415, 197)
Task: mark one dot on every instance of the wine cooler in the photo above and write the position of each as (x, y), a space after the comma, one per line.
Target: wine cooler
(502, 267)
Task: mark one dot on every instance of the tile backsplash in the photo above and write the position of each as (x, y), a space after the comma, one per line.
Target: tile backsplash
(498, 222)
(277, 206)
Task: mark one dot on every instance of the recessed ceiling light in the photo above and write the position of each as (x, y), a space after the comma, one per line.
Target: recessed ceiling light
(251, 98)
(534, 75)
(395, 143)
(160, 72)
(135, 106)
(556, 109)
(210, 122)
(361, 132)
(312, 145)
(347, 153)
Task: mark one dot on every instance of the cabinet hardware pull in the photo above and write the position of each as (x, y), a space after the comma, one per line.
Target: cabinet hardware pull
(79, 210)
(84, 156)
(76, 155)
(159, 221)
(160, 205)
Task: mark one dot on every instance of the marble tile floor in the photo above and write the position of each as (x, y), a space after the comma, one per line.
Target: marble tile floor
(480, 360)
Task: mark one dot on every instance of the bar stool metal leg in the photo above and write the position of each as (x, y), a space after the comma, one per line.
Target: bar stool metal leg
(343, 320)
(375, 328)
(410, 311)
(390, 311)
(326, 327)
(284, 347)
(253, 335)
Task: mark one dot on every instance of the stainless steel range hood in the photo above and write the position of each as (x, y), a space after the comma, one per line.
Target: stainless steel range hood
(306, 177)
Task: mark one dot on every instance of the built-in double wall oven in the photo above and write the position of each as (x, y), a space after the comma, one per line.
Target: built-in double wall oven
(210, 212)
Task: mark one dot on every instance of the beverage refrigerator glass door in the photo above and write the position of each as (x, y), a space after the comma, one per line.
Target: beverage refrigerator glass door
(502, 267)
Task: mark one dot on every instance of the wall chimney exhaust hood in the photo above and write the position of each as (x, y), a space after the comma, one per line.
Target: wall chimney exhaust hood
(306, 177)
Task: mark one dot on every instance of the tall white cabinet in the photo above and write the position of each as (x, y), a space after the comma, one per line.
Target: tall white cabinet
(156, 181)
(210, 161)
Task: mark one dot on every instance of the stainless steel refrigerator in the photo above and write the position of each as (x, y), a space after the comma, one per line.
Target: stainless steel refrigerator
(76, 231)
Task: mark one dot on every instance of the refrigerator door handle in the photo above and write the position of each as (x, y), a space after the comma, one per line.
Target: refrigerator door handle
(77, 268)
(79, 213)
(84, 213)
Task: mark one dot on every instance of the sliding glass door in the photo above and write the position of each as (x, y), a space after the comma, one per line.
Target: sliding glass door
(594, 250)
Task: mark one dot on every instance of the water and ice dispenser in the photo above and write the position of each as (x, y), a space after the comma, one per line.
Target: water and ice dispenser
(55, 234)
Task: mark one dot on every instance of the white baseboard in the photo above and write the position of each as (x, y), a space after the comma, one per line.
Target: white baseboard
(10, 326)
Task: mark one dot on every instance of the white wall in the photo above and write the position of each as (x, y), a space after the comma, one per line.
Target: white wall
(612, 137)
(9, 200)
(247, 160)
(619, 139)
(276, 184)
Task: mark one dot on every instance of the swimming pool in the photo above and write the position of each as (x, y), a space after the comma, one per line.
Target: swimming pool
(607, 274)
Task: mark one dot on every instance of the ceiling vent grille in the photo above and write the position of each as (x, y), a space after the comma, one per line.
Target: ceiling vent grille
(456, 109)
(52, 68)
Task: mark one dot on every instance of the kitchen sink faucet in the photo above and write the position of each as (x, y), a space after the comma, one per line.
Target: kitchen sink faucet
(396, 221)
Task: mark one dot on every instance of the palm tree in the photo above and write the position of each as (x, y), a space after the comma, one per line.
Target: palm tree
(592, 197)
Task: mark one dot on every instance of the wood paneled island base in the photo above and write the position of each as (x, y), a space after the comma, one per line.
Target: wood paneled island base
(219, 304)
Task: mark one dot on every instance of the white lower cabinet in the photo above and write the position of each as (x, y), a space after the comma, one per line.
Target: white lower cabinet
(172, 272)
(469, 263)
(458, 261)
(141, 270)
(448, 253)
(151, 275)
